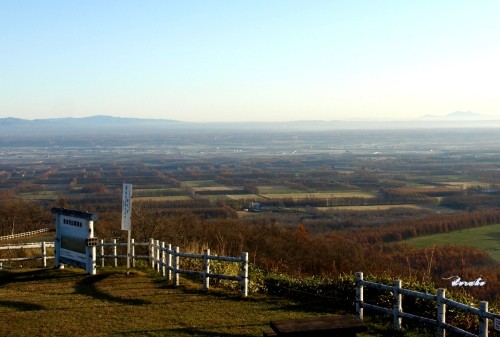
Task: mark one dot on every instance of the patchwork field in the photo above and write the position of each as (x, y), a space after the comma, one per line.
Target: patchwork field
(320, 195)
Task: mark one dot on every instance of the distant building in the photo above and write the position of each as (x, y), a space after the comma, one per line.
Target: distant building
(254, 207)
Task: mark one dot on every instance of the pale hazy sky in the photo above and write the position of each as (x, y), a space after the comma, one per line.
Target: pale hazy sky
(262, 60)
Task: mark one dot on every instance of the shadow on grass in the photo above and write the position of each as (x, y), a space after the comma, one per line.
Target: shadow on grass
(87, 287)
(43, 274)
(314, 308)
(21, 306)
(191, 331)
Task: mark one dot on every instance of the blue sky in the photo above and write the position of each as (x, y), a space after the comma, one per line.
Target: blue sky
(249, 60)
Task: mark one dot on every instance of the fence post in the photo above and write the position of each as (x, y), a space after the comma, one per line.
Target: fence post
(359, 295)
(162, 252)
(44, 254)
(115, 252)
(157, 256)
(152, 252)
(169, 262)
(441, 312)
(244, 274)
(206, 270)
(483, 321)
(132, 251)
(176, 266)
(102, 252)
(398, 307)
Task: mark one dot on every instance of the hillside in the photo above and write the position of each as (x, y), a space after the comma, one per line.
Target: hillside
(69, 303)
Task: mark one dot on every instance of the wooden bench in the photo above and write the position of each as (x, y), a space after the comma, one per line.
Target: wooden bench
(337, 325)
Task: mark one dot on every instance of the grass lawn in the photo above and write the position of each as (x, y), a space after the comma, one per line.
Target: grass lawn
(485, 237)
(51, 302)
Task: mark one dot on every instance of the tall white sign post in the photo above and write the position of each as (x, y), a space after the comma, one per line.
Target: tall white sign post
(127, 217)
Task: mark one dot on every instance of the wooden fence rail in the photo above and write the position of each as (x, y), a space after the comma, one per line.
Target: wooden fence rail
(22, 235)
(42, 246)
(165, 259)
(441, 303)
(162, 257)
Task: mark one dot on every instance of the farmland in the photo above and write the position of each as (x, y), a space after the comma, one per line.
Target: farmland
(486, 238)
(350, 194)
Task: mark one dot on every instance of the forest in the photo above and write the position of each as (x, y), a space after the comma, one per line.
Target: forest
(303, 203)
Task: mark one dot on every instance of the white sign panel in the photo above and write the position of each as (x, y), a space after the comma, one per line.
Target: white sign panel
(74, 229)
(127, 207)
(74, 232)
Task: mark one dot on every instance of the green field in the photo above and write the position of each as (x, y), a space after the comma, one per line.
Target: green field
(486, 238)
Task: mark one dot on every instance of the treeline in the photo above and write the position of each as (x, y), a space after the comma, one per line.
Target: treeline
(472, 201)
(17, 216)
(293, 250)
(431, 224)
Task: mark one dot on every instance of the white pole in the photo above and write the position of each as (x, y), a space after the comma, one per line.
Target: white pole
(115, 253)
(132, 254)
(44, 254)
(359, 295)
(176, 266)
(244, 274)
(162, 253)
(127, 218)
(169, 262)
(157, 255)
(398, 305)
(483, 321)
(152, 252)
(102, 253)
(441, 312)
(129, 237)
(206, 270)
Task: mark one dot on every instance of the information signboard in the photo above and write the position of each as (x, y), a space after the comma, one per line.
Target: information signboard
(73, 231)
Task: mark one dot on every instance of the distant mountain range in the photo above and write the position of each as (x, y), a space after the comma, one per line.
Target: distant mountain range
(107, 125)
(459, 115)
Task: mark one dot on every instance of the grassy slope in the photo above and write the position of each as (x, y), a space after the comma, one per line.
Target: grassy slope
(49, 302)
(485, 237)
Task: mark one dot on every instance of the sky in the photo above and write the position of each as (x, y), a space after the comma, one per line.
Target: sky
(262, 60)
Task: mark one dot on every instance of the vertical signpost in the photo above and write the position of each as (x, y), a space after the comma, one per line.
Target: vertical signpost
(127, 217)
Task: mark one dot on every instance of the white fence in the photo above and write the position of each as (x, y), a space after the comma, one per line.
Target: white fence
(441, 303)
(22, 235)
(162, 257)
(166, 260)
(42, 246)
